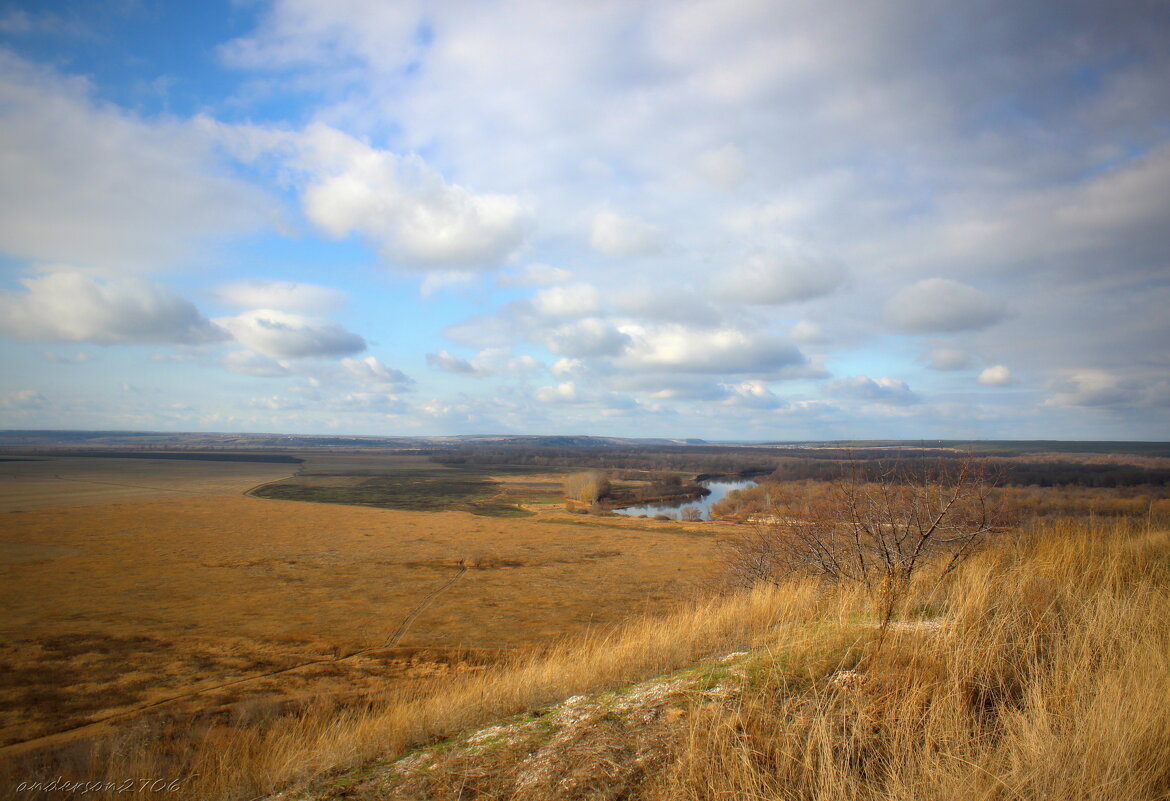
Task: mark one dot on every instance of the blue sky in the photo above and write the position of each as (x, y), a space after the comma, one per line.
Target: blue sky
(744, 220)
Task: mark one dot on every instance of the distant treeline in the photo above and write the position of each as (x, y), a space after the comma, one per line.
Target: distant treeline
(1001, 447)
(1004, 472)
(793, 463)
(223, 456)
(681, 458)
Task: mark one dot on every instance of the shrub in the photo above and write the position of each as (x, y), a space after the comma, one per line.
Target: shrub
(587, 487)
(876, 533)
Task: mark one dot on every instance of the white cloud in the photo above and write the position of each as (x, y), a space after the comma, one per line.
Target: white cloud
(103, 188)
(728, 351)
(502, 361)
(379, 402)
(753, 395)
(372, 371)
(534, 275)
(723, 166)
(78, 357)
(884, 391)
(1114, 215)
(300, 32)
(806, 332)
(567, 368)
(441, 280)
(648, 301)
(585, 338)
(621, 237)
(781, 276)
(276, 403)
(671, 386)
(1103, 389)
(69, 306)
(285, 335)
(23, 399)
(445, 360)
(245, 362)
(996, 376)
(488, 362)
(571, 393)
(284, 295)
(564, 392)
(18, 21)
(948, 359)
(942, 305)
(399, 203)
(575, 300)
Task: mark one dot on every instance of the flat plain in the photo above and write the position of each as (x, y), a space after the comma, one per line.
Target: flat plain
(48, 483)
(134, 583)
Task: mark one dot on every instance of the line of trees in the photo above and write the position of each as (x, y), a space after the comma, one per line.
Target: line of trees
(1009, 472)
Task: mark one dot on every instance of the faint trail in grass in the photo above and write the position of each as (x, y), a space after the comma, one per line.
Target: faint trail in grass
(391, 642)
(250, 492)
(423, 604)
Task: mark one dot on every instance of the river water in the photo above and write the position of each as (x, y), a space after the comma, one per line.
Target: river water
(718, 487)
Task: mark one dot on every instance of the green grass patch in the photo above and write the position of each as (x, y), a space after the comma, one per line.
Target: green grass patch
(421, 489)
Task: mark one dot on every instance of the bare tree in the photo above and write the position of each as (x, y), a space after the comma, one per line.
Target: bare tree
(878, 526)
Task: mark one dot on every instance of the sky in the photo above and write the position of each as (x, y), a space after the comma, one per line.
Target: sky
(730, 219)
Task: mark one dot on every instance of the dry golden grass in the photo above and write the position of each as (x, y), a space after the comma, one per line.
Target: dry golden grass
(63, 481)
(1044, 675)
(111, 607)
(1048, 679)
(1012, 503)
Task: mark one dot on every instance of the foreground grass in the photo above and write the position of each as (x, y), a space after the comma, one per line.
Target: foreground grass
(1043, 673)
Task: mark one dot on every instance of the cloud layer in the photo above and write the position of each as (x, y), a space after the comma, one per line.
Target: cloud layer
(70, 306)
(940, 305)
(732, 220)
(286, 335)
(91, 184)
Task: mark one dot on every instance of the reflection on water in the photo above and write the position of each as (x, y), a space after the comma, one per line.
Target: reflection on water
(674, 510)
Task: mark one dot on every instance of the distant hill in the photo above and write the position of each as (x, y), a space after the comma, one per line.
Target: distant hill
(143, 440)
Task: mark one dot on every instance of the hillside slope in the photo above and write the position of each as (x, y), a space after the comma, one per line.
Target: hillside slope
(1041, 671)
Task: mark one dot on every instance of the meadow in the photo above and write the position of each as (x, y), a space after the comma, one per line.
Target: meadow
(69, 481)
(1038, 671)
(376, 625)
(180, 595)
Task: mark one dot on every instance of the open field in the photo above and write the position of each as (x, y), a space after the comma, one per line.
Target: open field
(217, 617)
(109, 607)
(414, 483)
(64, 481)
(1038, 670)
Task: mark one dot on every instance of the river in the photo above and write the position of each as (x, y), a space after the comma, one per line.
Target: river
(718, 487)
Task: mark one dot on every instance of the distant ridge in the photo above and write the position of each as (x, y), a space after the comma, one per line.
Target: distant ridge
(23, 440)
